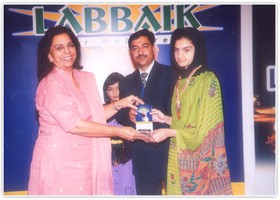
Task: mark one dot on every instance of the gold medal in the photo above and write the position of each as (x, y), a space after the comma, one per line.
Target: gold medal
(178, 95)
(178, 110)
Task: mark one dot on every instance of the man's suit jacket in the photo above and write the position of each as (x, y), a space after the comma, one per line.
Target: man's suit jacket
(149, 159)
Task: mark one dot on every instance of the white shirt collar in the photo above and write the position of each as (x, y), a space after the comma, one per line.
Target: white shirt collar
(148, 69)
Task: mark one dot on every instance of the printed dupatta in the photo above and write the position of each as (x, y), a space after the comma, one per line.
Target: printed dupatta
(197, 163)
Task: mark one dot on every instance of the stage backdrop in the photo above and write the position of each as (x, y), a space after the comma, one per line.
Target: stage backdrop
(103, 31)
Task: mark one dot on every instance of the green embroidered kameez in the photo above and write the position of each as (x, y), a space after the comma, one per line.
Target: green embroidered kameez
(197, 162)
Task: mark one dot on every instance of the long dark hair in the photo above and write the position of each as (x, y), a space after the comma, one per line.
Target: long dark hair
(198, 41)
(43, 62)
(110, 80)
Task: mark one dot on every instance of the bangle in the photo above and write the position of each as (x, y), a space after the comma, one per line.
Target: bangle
(115, 106)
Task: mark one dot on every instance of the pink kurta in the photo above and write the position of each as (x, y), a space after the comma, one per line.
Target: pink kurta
(64, 163)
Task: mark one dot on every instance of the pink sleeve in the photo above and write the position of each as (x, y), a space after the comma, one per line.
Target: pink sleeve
(61, 105)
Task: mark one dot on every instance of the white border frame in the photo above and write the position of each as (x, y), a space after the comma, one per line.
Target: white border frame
(247, 99)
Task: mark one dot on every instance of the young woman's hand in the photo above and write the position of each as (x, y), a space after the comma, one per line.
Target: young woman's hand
(161, 134)
(159, 117)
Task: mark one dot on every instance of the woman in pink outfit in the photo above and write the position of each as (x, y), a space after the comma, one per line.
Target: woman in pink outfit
(72, 154)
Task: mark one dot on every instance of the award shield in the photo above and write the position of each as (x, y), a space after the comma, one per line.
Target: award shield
(144, 123)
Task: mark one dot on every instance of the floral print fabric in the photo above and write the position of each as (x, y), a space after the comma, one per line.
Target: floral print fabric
(197, 162)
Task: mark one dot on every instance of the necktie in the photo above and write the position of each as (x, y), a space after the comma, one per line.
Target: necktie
(143, 78)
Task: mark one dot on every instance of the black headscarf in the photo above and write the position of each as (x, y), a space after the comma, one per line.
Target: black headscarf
(200, 49)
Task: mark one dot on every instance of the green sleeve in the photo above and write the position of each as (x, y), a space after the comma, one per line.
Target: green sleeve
(203, 112)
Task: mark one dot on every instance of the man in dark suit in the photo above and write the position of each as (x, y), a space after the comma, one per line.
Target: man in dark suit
(149, 159)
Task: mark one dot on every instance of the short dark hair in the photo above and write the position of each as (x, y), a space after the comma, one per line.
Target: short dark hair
(144, 32)
(111, 80)
(43, 62)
